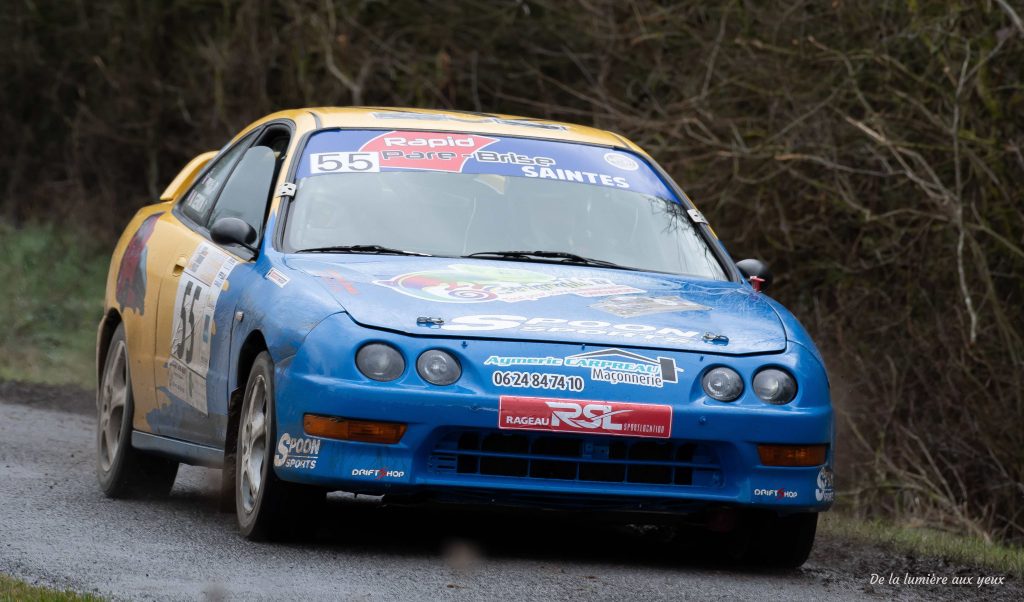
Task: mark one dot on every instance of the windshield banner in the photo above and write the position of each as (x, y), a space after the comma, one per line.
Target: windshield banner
(354, 151)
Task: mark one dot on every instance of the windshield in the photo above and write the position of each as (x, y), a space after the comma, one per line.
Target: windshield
(455, 195)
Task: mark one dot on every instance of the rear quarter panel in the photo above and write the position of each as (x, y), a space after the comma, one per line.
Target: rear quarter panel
(131, 296)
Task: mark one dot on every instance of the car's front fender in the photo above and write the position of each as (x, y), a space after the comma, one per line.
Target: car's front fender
(282, 315)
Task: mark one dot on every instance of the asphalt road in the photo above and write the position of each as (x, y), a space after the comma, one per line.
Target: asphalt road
(56, 529)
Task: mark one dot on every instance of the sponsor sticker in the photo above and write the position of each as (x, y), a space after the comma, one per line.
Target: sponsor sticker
(512, 158)
(464, 283)
(426, 150)
(778, 494)
(537, 380)
(187, 385)
(824, 491)
(297, 452)
(277, 277)
(575, 175)
(199, 199)
(614, 366)
(131, 274)
(629, 331)
(337, 283)
(622, 161)
(587, 417)
(368, 151)
(192, 323)
(632, 306)
(378, 474)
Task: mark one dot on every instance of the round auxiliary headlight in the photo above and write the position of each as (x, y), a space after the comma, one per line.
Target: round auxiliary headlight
(723, 384)
(774, 386)
(438, 367)
(380, 362)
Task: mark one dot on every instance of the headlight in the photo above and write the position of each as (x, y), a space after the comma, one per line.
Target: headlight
(438, 367)
(722, 383)
(380, 362)
(774, 386)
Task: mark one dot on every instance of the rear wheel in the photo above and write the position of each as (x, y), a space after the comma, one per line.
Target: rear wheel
(122, 470)
(266, 507)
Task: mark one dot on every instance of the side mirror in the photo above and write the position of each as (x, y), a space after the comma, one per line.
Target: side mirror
(232, 231)
(757, 272)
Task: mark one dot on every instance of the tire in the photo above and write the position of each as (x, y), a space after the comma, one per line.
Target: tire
(122, 470)
(782, 542)
(266, 507)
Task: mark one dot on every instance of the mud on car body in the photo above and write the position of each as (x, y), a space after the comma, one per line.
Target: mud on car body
(460, 308)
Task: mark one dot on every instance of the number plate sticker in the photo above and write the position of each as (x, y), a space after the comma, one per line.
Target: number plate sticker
(344, 162)
(587, 417)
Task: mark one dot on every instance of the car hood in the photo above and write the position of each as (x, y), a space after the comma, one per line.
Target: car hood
(471, 298)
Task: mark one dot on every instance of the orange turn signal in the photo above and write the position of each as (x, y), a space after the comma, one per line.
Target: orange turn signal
(367, 431)
(792, 455)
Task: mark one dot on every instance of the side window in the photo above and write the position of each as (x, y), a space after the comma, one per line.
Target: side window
(246, 194)
(247, 191)
(196, 205)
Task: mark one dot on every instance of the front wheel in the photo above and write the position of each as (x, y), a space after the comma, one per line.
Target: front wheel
(122, 470)
(266, 507)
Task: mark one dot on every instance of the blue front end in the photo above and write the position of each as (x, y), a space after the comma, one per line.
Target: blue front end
(581, 383)
(456, 448)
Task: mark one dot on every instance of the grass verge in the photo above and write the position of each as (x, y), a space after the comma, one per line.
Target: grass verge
(50, 305)
(923, 541)
(12, 589)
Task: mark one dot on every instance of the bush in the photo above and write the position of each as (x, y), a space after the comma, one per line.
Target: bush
(51, 304)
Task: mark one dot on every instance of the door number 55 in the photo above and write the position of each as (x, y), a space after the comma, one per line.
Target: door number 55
(343, 162)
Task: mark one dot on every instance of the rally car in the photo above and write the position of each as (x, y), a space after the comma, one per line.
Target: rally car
(456, 308)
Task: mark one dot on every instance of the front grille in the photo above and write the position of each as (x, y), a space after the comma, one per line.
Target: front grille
(593, 459)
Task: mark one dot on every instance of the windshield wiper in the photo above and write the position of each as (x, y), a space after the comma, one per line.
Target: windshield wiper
(564, 256)
(369, 249)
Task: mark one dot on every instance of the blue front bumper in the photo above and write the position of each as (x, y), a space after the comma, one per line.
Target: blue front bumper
(453, 443)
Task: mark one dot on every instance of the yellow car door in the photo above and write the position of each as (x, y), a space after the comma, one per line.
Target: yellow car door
(191, 272)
